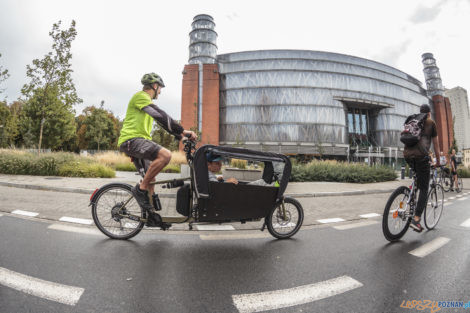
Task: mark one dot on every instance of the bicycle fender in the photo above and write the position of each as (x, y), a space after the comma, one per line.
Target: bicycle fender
(97, 191)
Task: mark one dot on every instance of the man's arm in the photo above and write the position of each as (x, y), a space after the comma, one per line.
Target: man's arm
(163, 119)
(435, 143)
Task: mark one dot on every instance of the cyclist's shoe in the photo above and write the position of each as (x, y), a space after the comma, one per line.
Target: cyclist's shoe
(416, 226)
(153, 220)
(142, 197)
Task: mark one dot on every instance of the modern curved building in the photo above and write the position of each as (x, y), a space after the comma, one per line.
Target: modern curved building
(295, 101)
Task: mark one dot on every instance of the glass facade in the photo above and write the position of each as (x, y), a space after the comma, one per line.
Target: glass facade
(293, 100)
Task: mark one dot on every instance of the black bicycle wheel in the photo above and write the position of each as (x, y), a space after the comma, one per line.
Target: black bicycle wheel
(286, 225)
(396, 217)
(435, 206)
(445, 181)
(108, 210)
(459, 184)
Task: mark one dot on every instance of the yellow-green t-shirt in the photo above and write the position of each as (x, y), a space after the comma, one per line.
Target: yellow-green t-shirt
(137, 123)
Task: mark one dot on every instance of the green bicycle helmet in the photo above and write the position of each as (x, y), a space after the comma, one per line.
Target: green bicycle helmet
(152, 78)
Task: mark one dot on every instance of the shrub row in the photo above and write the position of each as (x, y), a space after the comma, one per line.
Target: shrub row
(51, 164)
(463, 172)
(333, 171)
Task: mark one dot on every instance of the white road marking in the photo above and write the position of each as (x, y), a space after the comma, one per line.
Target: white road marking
(215, 227)
(354, 225)
(331, 220)
(464, 198)
(270, 300)
(40, 288)
(459, 196)
(466, 223)
(74, 229)
(233, 236)
(1, 214)
(451, 198)
(429, 247)
(76, 220)
(369, 215)
(26, 213)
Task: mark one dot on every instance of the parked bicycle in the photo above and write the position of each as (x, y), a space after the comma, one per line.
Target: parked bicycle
(401, 205)
(117, 214)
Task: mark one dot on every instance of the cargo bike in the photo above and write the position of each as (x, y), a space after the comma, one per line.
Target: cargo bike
(118, 215)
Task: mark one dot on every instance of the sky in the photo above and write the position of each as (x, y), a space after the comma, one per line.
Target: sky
(118, 41)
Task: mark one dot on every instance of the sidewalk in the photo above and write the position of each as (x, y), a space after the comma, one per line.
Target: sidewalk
(88, 185)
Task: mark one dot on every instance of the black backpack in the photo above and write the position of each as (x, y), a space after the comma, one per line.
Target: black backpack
(413, 129)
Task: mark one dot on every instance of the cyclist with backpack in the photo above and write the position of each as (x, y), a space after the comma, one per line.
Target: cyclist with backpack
(419, 131)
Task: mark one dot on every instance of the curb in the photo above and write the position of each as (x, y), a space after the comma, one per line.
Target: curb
(172, 195)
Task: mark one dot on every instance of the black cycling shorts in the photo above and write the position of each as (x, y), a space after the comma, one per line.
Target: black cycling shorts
(140, 148)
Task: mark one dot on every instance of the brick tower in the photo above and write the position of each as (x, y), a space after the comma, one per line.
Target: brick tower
(441, 105)
(200, 92)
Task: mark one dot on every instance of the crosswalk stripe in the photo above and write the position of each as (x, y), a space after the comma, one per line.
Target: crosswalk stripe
(270, 300)
(466, 223)
(40, 288)
(429, 247)
(74, 229)
(76, 220)
(369, 215)
(215, 227)
(331, 220)
(462, 199)
(451, 198)
(25, 213)
(354, 225)
(233, 236)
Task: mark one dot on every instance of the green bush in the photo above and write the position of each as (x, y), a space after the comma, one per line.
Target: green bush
(126, 167)
(172, 168)
(463, 172)
(241, 164)
(51, 164)
(333, 171)
(84, 169)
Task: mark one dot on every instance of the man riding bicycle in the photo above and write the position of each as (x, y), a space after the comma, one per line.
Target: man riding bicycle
(135, 139)
(453, 167)
(418, 159)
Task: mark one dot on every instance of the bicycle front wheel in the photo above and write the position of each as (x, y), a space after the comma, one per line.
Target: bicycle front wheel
(397, 216)
(435, 206)
(285, 219)
(116, 212)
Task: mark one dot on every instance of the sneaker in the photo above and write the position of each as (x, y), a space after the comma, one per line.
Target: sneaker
(142, 197)
(416, 226)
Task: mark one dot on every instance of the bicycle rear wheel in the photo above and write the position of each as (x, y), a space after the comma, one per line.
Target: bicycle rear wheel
(285, 223)
(459, 184)
(435, 206)
(110, 211)
(445, 181)
(397, 217)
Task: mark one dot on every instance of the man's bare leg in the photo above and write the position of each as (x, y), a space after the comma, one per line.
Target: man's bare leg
(163, 158)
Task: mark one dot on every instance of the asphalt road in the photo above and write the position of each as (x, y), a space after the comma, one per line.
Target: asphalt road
(322, 269)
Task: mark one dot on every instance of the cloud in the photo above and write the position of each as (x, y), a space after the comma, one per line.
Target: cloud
(424, 14)
(392, 54)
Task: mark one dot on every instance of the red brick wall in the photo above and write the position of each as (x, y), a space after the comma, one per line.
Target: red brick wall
(210, 104)
(443, 116)
(189, 96)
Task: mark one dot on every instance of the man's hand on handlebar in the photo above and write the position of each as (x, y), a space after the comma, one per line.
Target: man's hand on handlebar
(189, 134)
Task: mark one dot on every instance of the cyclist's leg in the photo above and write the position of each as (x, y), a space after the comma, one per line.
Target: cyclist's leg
(163, 157)
(422, 173)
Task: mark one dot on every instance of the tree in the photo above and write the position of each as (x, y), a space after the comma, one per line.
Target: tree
(97, 129)
(52, 124)
(51, 90)
(163, 138)
(3, 75)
